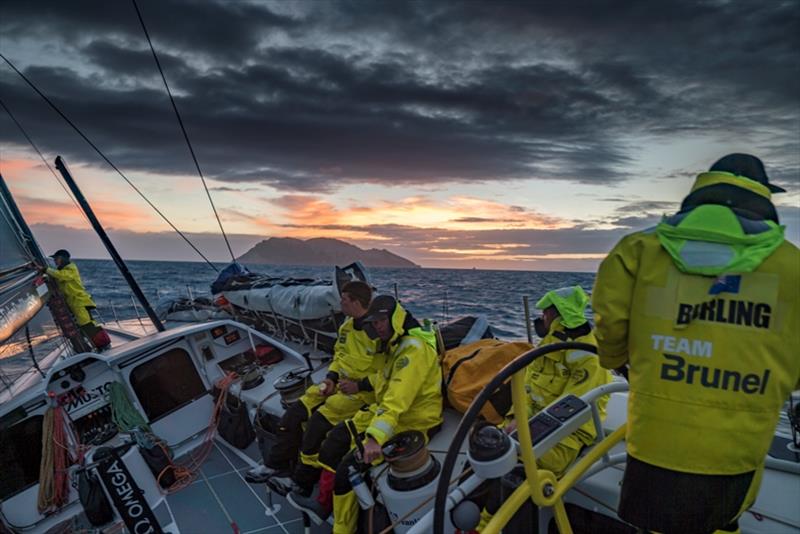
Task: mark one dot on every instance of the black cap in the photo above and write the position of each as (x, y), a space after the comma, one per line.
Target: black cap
(63, 253)
(747, 166)
(382, 306)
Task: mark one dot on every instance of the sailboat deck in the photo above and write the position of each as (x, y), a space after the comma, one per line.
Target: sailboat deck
(220, 492)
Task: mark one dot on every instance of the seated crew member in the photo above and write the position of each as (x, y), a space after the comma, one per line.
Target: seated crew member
(560, 373)
(407, 396)
(704, 309)
(78, 300)
(344, 390)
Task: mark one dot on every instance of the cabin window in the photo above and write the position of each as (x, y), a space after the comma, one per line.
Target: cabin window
(20, 455)
(166, 383)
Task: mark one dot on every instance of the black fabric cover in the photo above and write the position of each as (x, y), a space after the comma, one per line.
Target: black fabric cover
(158, 460)
(95, 504)
(234, 424)
(453, 333)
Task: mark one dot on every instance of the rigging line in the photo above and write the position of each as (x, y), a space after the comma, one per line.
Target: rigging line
(21, 129)
(183, 129)
(17, 234)
(100, 153)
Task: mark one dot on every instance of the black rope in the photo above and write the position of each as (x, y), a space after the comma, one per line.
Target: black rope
(183, 129)
(100, 153)
(30, 351)
(28, 137)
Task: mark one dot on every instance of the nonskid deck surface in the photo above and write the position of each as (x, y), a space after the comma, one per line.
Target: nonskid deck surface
(220, 488)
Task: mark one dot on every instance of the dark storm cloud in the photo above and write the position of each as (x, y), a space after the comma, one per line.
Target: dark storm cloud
(308, 96)
(127, 62)
(647, 206)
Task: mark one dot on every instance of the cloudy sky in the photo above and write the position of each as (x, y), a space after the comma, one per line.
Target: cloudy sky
(515, 135)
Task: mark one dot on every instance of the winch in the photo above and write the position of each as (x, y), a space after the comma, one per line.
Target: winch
(293, 384)
(411, 478)
(410, 464)
(252, 377)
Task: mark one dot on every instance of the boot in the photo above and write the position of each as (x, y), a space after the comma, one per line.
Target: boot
(318, 513)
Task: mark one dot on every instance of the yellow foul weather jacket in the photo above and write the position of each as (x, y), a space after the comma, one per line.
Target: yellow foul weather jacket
(354, 352)
(705, 310)
(354, 357)
(566, 372)
(408, 390)
(69, 283)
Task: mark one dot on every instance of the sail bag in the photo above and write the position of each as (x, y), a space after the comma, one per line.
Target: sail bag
(468, 368)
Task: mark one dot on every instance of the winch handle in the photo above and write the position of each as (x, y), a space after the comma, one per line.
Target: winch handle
(307, 358)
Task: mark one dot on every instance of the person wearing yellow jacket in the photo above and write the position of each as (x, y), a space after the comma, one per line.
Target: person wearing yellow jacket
(565, 372)
(407, 396)
(69, 282)
(704, 310)
(560, 373)
(339, 396)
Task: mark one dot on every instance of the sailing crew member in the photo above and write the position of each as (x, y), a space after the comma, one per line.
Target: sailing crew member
(704, 310)
(339, 396)
(557, 374)
(407, 396)
(80, 303)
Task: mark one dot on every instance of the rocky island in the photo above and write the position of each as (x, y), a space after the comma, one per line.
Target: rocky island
(319, 251)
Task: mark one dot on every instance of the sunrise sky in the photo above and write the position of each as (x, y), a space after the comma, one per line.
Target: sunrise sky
(509, 135)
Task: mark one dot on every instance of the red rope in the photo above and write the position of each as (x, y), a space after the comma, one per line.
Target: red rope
(61, 459)
(186, 473)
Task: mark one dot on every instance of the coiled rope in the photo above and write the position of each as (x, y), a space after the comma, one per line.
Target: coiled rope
(123, 414)
(53, 480)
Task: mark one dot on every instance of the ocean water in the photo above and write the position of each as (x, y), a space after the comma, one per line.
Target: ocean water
(437, 294)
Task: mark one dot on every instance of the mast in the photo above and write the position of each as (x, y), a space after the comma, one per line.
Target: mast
(123, 269)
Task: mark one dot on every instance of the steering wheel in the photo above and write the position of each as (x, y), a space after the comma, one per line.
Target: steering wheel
(541, 486)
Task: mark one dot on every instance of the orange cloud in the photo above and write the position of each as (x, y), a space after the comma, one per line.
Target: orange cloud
(11, 167)
(489, 253)
(263, 224)
(308, 210)
(112, 214)
(454, 213)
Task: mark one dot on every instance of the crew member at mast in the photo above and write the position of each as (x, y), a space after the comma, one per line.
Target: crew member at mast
(80, 303)
(704, 310)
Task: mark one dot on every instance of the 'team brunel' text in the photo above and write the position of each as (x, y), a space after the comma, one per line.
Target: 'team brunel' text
(676, 369)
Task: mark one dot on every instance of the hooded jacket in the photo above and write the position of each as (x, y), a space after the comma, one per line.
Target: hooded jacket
(69, 283)
(567, 372)
(408, 390)
(353, 352)
(704, 308)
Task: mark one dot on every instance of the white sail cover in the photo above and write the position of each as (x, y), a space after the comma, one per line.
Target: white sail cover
(313, 300)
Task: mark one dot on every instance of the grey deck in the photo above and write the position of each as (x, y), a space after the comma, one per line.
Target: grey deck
(197, 510)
